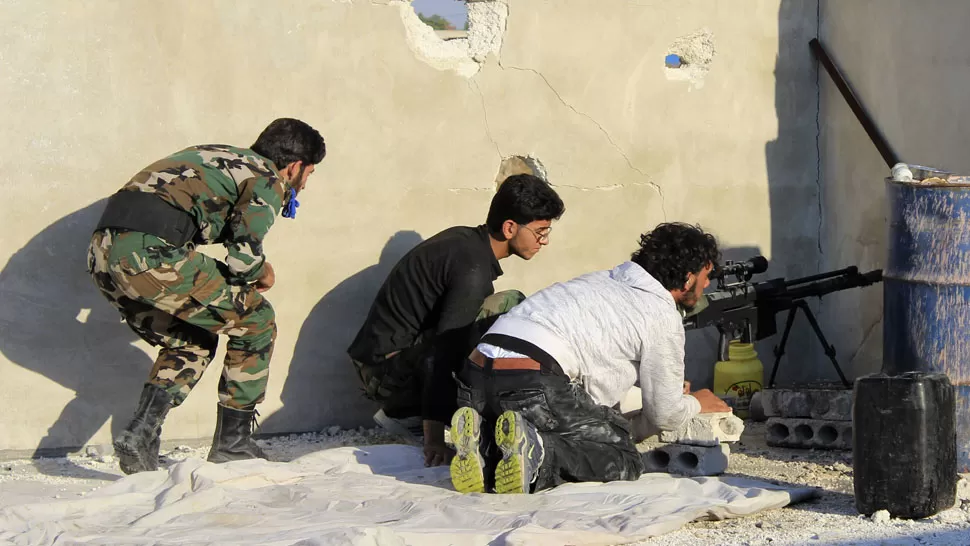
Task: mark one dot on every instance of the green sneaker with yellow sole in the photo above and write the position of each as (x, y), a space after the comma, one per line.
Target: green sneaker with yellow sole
(468, 465)
(522, 454)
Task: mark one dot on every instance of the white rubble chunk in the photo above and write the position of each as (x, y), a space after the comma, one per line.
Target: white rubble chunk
(707, 429)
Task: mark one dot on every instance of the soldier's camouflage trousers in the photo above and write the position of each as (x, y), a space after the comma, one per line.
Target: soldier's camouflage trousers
(397, 381)
(178, 299)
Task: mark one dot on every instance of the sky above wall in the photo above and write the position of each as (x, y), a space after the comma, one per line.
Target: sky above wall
(454, 11)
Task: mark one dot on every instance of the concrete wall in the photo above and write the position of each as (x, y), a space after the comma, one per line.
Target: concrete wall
(416, 131)
(907, 62)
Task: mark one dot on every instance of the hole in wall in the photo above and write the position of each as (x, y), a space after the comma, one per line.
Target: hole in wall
(659, 458)
(462, 49)
(518, 164)
(673, 61)
(689, 58)
(448, 17)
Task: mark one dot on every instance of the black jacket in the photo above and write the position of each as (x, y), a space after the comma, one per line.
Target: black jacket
(432, 295)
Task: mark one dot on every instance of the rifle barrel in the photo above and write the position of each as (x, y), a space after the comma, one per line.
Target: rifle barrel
(847, 271)
(835, 284)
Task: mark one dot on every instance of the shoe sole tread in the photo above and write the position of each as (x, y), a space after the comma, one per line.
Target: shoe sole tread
(510, 471)
(467, 466)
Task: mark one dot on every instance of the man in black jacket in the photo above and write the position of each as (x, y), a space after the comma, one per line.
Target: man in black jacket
(435, 305)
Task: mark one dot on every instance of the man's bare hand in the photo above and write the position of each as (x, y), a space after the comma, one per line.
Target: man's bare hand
(686, 387)
(437, 454)
(710, 403)
(266, 279)
(436, 451)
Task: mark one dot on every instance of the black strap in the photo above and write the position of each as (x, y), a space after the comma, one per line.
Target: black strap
(148, 213)
(490, 399)
(549, 364)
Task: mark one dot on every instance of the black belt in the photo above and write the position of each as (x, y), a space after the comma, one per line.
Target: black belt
(148, 213)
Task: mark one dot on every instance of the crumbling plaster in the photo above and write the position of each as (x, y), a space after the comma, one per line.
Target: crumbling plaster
(93, 93)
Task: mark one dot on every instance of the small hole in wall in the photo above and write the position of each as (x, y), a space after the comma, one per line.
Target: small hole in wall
(449, 18)
(673, 61)
(518, 164)
(689, 58)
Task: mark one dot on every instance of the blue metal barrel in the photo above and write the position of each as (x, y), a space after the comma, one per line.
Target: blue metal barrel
(926, 290)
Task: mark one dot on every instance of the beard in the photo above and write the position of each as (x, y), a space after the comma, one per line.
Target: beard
(692, 304)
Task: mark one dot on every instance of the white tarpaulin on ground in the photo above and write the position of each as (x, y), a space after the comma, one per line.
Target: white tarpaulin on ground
(373, 495)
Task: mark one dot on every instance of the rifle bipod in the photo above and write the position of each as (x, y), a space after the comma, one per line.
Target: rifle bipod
(780, 349)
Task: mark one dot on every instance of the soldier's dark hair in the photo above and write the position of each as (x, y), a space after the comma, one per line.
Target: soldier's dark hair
(523, 198)
(286, 140)
(672, 250)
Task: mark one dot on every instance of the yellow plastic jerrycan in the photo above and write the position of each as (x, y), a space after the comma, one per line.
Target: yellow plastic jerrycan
(737, 379)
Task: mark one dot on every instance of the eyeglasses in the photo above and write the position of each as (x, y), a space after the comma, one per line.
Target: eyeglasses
(542, 235)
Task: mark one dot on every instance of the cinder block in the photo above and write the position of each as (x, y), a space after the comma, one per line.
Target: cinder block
(832, 405)
(707, 429)
(808, 433)
(687, 460)
(826, 404)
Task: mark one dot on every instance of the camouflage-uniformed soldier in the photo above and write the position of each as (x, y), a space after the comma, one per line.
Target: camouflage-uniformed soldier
(143, 260)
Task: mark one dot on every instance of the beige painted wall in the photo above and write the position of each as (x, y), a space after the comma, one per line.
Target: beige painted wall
(907, 62)
(92, 92)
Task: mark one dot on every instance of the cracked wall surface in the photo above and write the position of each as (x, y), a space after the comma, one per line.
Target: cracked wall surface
(413, 148)
(914, 91)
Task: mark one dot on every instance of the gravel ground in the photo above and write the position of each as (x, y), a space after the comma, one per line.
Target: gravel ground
(831, 519)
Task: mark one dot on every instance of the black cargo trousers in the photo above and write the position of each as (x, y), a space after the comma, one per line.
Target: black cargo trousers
(582, 440)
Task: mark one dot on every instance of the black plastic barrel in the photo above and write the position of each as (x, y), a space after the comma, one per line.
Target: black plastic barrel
(904, 444)
(926, 290)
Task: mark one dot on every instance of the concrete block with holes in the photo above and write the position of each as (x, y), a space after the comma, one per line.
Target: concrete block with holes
(686, 460)
(808, 433)
(707, 429)
(808, 403)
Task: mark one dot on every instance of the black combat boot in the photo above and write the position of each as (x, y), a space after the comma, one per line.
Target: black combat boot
(137, 446)
(233, 439)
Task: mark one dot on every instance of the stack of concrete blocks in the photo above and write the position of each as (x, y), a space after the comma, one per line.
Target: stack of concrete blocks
(808, 418)
(699, 449)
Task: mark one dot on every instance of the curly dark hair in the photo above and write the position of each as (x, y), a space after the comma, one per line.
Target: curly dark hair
(523, 198)
(672, 250)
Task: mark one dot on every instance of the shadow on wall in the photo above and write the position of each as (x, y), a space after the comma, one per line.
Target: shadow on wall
(54, 322)
(792, 163)
(321, 388)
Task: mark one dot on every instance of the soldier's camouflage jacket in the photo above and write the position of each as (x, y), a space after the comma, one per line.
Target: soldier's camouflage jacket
(234, 195)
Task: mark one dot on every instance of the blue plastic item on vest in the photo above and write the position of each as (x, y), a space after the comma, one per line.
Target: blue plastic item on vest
(289, 208)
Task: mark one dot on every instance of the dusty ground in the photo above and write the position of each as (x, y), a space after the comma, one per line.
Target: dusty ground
(832, 519)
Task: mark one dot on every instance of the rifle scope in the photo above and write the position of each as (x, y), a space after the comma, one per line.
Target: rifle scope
(742, 270)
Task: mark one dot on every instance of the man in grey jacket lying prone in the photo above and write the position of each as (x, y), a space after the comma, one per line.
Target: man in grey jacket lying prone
(536, 397)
